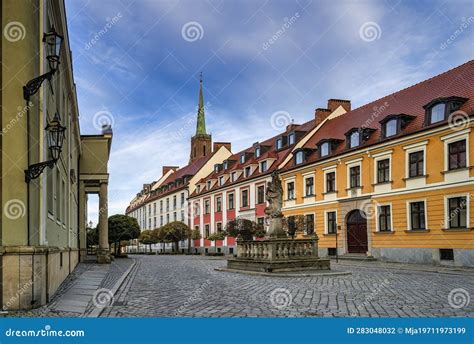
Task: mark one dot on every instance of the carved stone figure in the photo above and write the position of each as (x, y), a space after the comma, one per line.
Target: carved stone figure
(274, 196)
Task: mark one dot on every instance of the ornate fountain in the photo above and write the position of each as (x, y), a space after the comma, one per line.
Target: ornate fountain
(276, 252)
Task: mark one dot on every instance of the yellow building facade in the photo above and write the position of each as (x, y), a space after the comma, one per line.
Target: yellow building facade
(404, 197)
(44, 179)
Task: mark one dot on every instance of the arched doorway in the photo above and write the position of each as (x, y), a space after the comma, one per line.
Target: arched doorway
(356, 232)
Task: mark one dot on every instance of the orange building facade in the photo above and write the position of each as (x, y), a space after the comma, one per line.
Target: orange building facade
(392, 179)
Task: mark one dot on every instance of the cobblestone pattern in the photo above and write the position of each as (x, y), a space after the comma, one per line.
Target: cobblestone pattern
(187, 286)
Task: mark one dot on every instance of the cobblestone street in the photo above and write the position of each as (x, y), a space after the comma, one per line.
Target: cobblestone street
(189, 286)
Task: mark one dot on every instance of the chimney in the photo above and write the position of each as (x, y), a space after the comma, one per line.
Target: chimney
(320, 115)
(218, 145)
(333, 104)
(168, 168)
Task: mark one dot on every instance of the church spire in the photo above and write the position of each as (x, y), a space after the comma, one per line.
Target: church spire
(201, 118)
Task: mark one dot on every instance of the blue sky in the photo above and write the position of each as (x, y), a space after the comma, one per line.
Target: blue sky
(137, 65)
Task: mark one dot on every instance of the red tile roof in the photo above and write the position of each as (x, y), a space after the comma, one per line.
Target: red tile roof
(190, 169)
(458, 82)
(271, 153)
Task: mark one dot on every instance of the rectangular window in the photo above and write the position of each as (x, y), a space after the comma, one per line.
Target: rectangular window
(207, 208)
(233, 177)
(154, 222)
(221, 180)
(415, 161)
(384, 219)
(354, 173)
(174, 202)
(174, 216)
(182, 215)
(161, 220)
(245, 198)
(247, 171)
(383, 171)
(218, 204)
(167, 204)
(331, 182)
(309, 224)
(154, 208)
(457, 154)
(279, 144)
(291, 138)
(331, 222)
(219, 227)
(290, 188)
(182, 199)
(231, 201)
(457, 212)
(50, 183)
(417, 215)
(206, 228)
(58, 194)
(309, 186)
(263, 166)
(161, 206)
(261, 194)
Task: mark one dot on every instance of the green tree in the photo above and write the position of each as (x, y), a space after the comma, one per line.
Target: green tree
(122, 227)
(148, 237)
(217, 236)
(243, 229)
(175, 232)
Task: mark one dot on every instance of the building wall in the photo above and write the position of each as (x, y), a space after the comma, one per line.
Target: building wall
(30, 274)
(401, 244)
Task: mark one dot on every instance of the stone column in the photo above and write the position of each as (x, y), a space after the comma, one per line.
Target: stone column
(103, 253)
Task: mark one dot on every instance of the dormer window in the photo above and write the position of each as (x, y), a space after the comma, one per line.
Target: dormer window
(327, 146)
(257, 152)
(199, 188)
(299, 157)
(437, 113)
(391, 127)
(394, 124)
(233, 176)
(221, 180)
(208, 184)
(291, 138)
(242, 158)
(263, 166)
(279, 143)
(354, 139)
(247, 171)
(439, 109)
(226, 164)
(324, 149)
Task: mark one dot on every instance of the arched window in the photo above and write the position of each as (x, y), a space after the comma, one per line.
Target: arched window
(325, 149)
(299, 157)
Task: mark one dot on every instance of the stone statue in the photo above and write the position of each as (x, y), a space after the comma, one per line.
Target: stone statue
(274, 196)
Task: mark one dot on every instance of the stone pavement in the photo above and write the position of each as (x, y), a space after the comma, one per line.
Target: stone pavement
(188, 286)
(85, 292)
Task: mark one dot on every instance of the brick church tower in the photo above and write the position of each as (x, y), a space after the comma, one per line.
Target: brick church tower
(201, 142)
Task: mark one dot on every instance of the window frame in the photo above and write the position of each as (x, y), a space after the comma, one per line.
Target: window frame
(410, 214)
(378, 220)
(247, 203)
(260, 196)
(229, 203)
(458, 162)
(306, 178)
(301, 153)
(327, 221)
(333, 187)
(387, 178)
(312, 222)
(447, 208)
(293, 194)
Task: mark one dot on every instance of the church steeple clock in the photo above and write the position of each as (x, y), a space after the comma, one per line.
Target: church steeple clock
(201, 142)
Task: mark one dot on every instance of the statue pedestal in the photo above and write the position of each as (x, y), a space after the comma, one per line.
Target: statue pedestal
(278, 255)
